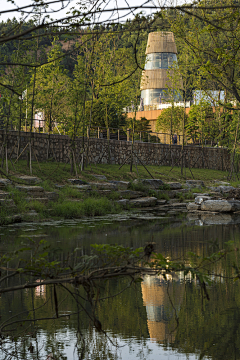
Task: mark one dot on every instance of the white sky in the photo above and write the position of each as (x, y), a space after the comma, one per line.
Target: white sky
(6, 5)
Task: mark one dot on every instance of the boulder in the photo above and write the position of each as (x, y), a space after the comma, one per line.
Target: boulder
(193, 207)
(150, 183)
(174, 185)
(179, 205)
(120, 184)
(200, 199)
(221, 205)
(144, 202)
(77, 182)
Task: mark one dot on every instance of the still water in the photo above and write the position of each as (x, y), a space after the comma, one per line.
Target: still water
(153, 319)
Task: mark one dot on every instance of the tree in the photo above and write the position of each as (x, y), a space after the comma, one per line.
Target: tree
(174, 115)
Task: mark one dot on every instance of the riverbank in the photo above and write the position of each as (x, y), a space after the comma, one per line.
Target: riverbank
(101, 190)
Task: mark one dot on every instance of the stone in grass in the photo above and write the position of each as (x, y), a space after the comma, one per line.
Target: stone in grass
(144, 202)
(150, 183)
(120, 184)
(161, 202)
(223, 189)
(52, 195)
(221, 205)
(29, 179)
(100, 177)
(4, 195)
(77, 182)
(194, 183)
(81, 187)
(174, 185)
(179, 205)
(104, 186)
(122, 202)
(5, 182)
(193, 207)
(200, 199)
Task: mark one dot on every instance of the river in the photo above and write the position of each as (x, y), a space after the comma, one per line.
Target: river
(154, 319)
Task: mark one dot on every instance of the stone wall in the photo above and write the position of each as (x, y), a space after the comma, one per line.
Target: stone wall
(57, 147)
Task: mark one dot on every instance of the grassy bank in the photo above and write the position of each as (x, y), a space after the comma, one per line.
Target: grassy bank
(53, 172)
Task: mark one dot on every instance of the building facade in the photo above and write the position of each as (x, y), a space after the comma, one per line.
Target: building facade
(157, 77)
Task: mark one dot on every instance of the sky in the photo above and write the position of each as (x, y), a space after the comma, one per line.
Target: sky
(5, 5)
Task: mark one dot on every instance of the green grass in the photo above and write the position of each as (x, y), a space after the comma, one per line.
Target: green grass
(57, 173)
(88, 207)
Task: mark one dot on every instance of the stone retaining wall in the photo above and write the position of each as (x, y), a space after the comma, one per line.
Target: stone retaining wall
(58, 148)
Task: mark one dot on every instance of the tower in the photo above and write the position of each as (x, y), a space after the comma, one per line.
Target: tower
(161, 53)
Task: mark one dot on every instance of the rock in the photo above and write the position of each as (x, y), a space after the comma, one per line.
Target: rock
(100, 177)
(122, 202)
(150, 183)
(200, 199)
(223, 189)
(52, 195)
(59, 186)
(193, 207)
(120, 184)
(173, 201)
(199, 194)
(144, 201)
(4, 195)
(221, 205)
(222, 182)
(174, 185)
(173, 193)
(217, 219)
(29, 179)
(161, 202)
(5, 182)
(14, 219)
(130, 194)
(77, 182)
(104, 186)
(81, 187)
(195, 183)
(179, 205)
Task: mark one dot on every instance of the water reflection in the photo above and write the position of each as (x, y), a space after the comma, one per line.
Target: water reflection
(143, 318)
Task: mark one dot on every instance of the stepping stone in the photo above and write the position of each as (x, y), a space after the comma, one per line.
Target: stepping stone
(195, 183)
(30, 189)
(122, 202)
(81, 187)
(120, 184)
(174, 185)
(193, 207)
(223, 189)
(144, 202)
(5, 182)
(100, 177)
(104, 186)
(4, 195)
(150, 183)
(7, 202)
(29, 179)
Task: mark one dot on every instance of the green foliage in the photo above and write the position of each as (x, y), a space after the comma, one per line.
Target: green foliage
(88, 207)
(172, 115)
(201, 123)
